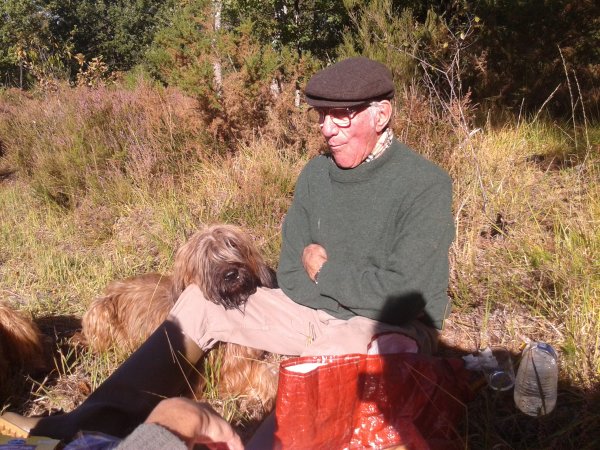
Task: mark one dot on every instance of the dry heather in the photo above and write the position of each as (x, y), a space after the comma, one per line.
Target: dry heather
(98, 184)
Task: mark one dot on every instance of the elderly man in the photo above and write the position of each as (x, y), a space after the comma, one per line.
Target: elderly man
(363, 267)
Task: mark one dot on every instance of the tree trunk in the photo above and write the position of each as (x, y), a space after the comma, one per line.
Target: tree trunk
(217, 69)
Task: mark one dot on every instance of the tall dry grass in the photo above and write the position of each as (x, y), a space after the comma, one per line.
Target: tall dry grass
(105, 183)
(526, 267)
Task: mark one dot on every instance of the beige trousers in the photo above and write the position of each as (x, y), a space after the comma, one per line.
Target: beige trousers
(273, 322)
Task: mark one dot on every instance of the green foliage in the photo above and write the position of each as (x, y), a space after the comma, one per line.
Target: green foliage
(119, 31)
(28, 48)
(515, 67)
(499, 63)
(408, 42)
(315, 26)
(181, 53)
(381, 34)
(16, 25)
(235, 77)
(39, 37)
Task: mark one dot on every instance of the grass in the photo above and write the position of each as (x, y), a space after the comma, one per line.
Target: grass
(526, 267)
(108, 182)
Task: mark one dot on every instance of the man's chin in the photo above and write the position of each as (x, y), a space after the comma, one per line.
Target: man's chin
(341, 158)
(344, 164)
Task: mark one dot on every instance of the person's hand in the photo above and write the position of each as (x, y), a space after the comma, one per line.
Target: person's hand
(195, 423)
(313, 258)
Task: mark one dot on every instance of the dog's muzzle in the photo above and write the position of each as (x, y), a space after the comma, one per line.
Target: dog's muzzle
(235, 285)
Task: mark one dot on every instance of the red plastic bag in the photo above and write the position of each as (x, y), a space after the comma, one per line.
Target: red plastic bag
(370, 401)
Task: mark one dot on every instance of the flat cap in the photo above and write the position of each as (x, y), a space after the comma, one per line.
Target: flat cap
(350, 82)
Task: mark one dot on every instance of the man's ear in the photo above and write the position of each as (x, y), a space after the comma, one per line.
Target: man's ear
(384, 114)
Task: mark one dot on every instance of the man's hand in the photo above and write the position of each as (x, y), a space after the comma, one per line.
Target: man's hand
(313, 258)
(195, 423)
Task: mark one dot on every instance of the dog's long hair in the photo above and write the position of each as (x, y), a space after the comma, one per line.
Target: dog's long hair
(225, 264)
(20, 343)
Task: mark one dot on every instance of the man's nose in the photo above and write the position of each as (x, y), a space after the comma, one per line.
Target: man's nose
(328, 128)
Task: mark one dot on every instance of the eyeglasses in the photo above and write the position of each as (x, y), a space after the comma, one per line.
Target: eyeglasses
(341, 117)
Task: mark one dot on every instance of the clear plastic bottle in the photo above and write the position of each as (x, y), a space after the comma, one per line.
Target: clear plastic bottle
(537, 379)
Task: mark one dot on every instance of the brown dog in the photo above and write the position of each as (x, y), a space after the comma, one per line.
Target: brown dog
(224, 263)
(20, 343)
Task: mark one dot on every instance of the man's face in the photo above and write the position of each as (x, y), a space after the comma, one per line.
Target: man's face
(350, 145)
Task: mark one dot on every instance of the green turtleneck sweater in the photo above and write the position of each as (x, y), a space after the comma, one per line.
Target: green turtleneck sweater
(386, 226)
